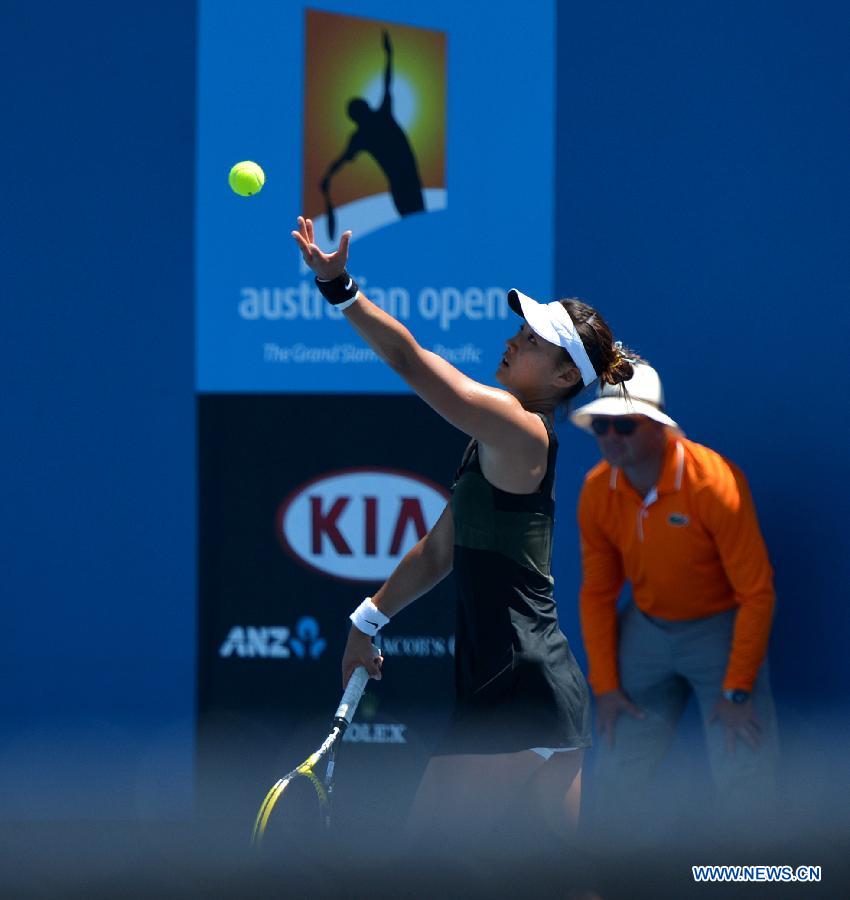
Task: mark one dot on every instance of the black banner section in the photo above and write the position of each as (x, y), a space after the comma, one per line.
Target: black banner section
(306, 504)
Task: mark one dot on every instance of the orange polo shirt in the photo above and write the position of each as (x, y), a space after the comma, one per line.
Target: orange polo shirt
(691, 548)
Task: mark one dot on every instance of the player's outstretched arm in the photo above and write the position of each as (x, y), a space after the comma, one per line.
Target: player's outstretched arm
(493, 416)
(424, 566)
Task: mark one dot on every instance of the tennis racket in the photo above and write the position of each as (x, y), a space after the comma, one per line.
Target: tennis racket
(329, 210)
(323, 787)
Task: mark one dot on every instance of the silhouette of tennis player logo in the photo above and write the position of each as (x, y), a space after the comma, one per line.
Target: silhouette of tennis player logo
(379, 134)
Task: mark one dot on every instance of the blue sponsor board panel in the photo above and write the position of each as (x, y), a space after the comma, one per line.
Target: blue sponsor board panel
(305, 509)
(466, 92)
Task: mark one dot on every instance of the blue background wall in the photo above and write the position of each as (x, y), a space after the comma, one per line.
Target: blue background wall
(702, 203)
(98, 455)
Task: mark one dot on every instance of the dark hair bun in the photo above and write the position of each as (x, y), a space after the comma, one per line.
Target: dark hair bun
(620, 370)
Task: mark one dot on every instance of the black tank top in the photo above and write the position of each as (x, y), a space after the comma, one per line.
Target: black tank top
(518, 685)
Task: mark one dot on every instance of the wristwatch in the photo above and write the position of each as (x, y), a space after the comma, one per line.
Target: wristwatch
(737, 696)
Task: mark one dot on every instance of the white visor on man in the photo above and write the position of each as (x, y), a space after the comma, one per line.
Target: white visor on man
(552, 322)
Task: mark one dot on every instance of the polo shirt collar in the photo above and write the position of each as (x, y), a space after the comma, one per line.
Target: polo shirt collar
(672, 471)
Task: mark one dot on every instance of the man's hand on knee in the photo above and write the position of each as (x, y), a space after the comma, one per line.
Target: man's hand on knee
(739, 720)
(608, 709)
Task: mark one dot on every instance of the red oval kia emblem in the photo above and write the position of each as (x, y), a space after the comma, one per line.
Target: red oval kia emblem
(357, 524)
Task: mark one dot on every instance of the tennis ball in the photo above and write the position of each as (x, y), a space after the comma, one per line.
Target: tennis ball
(246, 178)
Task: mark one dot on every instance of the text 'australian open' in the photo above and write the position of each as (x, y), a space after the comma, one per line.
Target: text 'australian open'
(443, 305)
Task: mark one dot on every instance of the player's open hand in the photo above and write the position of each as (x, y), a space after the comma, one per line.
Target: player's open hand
(327, 266)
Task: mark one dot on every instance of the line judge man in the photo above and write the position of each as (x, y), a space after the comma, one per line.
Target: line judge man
(676, 520)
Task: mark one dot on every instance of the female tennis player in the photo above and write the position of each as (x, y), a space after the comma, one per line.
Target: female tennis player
(521, 717)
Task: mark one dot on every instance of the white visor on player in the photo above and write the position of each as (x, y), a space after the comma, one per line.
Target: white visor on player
(552, 322)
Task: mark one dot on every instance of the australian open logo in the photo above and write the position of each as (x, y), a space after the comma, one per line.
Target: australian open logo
(678, 519)
(374, 124)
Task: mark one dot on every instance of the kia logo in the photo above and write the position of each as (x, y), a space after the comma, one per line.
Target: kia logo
(356, 524)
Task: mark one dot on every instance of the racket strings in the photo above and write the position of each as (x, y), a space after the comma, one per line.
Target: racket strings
(305, 770)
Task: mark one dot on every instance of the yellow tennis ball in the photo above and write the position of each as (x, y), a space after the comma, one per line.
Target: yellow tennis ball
(246, 178)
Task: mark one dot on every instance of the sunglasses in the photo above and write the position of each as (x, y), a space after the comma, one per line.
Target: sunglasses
(621, 426)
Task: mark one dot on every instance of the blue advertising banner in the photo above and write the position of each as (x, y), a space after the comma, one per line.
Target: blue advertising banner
(428, 134)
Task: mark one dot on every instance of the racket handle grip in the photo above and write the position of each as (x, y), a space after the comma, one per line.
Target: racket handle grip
(352, 694)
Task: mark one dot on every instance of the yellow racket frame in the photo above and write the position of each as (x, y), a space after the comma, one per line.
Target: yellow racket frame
(342, 718)
(278, 788)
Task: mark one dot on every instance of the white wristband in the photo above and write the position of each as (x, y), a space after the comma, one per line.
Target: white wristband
(368, 618)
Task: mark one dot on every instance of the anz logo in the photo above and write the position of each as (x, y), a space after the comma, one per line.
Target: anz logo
(357, 524)
(275, 641)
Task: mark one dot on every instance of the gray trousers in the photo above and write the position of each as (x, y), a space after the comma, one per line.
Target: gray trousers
(661, 664)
